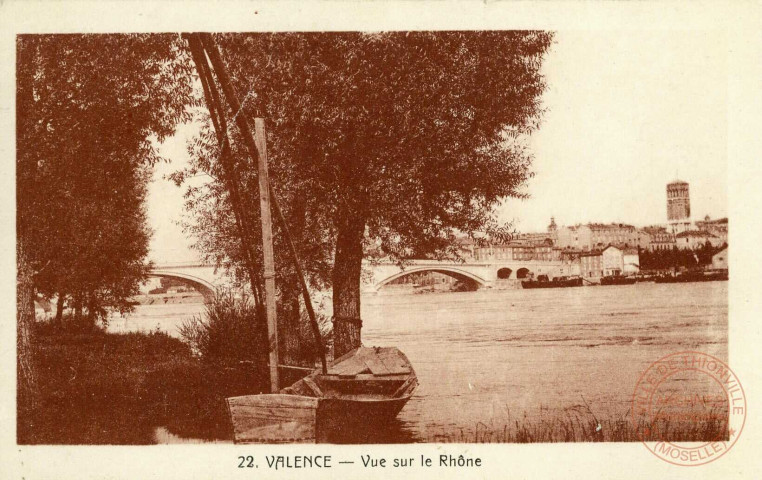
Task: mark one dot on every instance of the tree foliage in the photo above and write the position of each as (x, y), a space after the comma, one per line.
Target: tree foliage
(676, 258)
(91, 109)
(392, 140)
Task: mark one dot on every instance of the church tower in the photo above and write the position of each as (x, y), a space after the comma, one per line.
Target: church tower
(678, 206)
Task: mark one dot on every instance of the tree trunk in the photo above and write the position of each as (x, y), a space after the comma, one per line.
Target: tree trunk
(289, 329)
(91, 309)
(26, 375)
(78, 309)
(291, 320)
(347, 269)
(60, 307)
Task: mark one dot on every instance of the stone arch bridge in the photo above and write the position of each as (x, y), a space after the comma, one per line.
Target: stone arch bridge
(485, 274)
(204, 278)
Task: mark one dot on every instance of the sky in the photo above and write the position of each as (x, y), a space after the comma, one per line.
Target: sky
(626, 113)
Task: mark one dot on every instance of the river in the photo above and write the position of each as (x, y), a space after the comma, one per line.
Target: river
(488, 359)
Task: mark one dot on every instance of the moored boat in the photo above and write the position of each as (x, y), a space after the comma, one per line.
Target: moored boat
(617, 280)
(367, 386)
(642, 277)
(695, 276)
(557, 282)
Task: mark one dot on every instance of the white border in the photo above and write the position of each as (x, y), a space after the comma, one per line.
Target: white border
(740, 20)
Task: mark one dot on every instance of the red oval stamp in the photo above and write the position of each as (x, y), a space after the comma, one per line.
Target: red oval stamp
(688, 408)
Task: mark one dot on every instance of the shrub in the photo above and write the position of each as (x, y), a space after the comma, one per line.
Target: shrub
(231, 330)
(94, 386)
(69, 325)
(326, 332)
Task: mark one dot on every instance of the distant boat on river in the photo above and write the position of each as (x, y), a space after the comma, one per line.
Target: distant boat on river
(694, 276)
(617, 280)
(557, 282)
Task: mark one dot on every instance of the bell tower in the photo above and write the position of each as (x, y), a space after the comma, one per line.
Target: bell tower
(678, 206)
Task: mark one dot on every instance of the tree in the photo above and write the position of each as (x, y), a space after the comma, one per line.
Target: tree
(396, 139)
(89, 108)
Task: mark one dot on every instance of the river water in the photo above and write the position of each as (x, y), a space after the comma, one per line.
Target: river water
(489, 358)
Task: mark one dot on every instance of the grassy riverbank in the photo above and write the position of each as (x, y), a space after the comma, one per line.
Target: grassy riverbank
(104, 388)
(588, 429)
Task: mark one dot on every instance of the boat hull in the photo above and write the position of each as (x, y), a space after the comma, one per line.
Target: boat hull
(362, 390)
(693, 277)
(618, 280)
(338, 418)
(574, 282)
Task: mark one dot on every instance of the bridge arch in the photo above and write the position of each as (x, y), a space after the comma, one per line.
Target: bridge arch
(504, 273)
(522, 272)
(205, 287)
(446, 270)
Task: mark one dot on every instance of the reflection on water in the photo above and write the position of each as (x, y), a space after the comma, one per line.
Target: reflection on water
(162, 435)
(486, 359)
(165, 317)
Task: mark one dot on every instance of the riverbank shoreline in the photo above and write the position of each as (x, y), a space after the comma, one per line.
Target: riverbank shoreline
(117, 388)
(168, 299)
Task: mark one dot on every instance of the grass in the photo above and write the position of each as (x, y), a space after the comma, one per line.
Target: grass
(576, 428)
(104, 388)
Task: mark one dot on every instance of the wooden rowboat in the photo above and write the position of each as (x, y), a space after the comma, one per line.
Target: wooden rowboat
(368, 386)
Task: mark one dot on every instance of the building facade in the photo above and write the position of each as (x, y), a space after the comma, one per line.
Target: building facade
(613, 262)
(599, 235)
(693, 239)
(516, 251)
(720, 259)
(591, 264)
(620, 261)
(659, 238)
(630, 261)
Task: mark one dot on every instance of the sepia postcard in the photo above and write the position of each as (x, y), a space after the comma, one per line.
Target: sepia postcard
(382, 239)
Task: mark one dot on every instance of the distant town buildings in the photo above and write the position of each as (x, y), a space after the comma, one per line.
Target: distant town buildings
(599, 235)
(593, 250)
(549, 238)
(677, 232)
(718, 227)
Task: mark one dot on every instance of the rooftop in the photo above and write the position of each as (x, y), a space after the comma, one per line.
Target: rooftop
(695, 233)
(717, 221)
(606, 226)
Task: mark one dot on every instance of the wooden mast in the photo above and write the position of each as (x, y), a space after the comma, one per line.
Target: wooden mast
(241, 120)
(267, 250)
